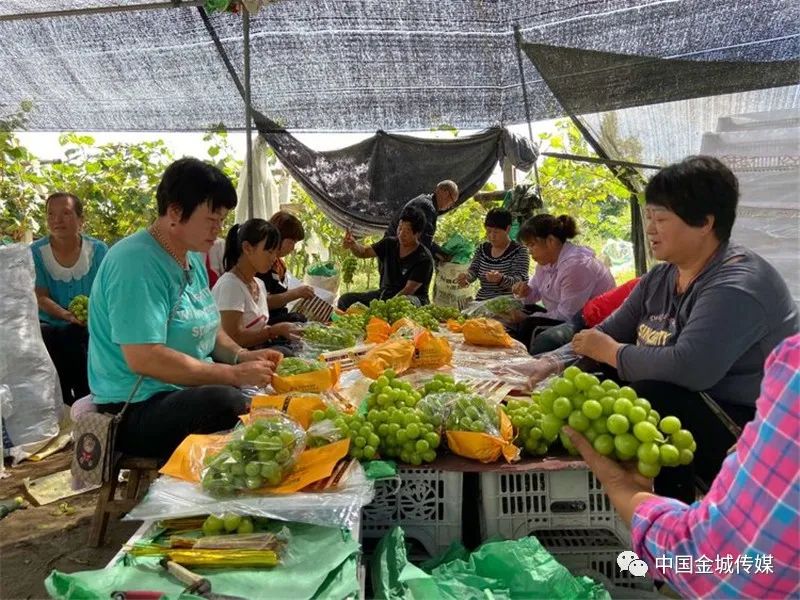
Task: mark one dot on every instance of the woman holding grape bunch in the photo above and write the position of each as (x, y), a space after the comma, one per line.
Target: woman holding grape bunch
(66, 262)
(693, 335)
(155, 337)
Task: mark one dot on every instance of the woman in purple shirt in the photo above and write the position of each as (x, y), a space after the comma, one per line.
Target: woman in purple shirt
(567, 276)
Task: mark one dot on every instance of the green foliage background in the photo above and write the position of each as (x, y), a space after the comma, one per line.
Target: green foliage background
(117, 183)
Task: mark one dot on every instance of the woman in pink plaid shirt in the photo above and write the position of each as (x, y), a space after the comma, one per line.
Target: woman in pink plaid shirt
(742, 540)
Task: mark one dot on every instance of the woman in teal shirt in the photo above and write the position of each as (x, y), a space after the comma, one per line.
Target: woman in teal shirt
(66, 262)
(155, 333)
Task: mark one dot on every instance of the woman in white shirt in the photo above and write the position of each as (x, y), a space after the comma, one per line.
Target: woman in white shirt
(241, 297)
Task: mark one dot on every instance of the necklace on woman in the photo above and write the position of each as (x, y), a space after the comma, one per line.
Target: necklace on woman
(251, 284)
(156, 233)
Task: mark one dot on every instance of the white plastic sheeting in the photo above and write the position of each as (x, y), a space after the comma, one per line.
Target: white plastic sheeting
(763, 150)
(32, 407)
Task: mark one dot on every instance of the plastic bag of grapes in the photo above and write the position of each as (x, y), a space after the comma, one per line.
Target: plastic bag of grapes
(479, 430)
(318, 338)
(258, 455)
(296, 374)
(506, 309)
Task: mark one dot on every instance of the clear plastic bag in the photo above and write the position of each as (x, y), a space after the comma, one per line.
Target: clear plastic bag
(169, 497)
(258, 455)
(506, 309)
(318, 338)
(322, 433)
(471, 412)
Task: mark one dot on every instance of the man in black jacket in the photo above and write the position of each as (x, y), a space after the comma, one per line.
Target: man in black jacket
(444, 196)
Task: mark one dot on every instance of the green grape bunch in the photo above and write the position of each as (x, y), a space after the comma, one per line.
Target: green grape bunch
(227, 523)
(323, 429)
(329, 338)
(355, 324)
(389, 391)
(615, 420)
(79, 306)
(526, 417)
(261, 455)
(348, 270)
(405, 433)
(442, 313)
(443, 383)
(471, 412)
(400, 307)
(293, 365)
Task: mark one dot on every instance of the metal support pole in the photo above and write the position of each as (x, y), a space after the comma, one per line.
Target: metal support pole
(521, 66)
(248, 110)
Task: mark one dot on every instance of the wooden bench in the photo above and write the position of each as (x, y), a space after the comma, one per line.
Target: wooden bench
(141, 472)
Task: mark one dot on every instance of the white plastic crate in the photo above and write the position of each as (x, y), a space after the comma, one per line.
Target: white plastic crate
(426, 503)
(593, 552)
(519, 504)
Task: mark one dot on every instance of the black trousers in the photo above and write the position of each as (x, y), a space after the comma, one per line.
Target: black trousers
(712, 436)
(68, 348)
(547, 339)
(154, 427)
(526, 330)
(347, 300)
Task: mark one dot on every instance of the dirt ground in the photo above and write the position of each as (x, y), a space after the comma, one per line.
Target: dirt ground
(39, 539)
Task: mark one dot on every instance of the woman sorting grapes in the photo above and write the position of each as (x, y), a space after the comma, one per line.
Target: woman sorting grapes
(499, 263)
(154, 329)
(407, 264)
(241, 297)
(693, 335)
(567, 276)
(66, 262)
(276, 279)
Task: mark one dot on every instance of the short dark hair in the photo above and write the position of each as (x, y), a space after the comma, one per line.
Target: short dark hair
(694, 188)
(189, 182)
(414, 217)
(498, 218)
(252, 231)
(76, 202)
(290, 226)
(562, 227)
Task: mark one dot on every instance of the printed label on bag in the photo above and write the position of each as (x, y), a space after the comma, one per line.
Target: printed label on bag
(88, 451)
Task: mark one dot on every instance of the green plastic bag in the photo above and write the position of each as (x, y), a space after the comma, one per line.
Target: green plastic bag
(327, 269)
(393, 575)
(380, 469)
(501, 570)
(321, 562)
(459, 249)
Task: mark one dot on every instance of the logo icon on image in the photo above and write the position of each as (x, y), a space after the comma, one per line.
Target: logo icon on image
(630, 561)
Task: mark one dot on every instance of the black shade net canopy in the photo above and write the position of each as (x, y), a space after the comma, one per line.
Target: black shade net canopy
(359, 65)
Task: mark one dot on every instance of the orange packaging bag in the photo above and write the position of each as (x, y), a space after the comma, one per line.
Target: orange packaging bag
(378, 331)
(431, 352)
(454, 326)
(314, 382)
(484, 447)
(298, 406)
(486, 332)
(395, 354)
(313, 464)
